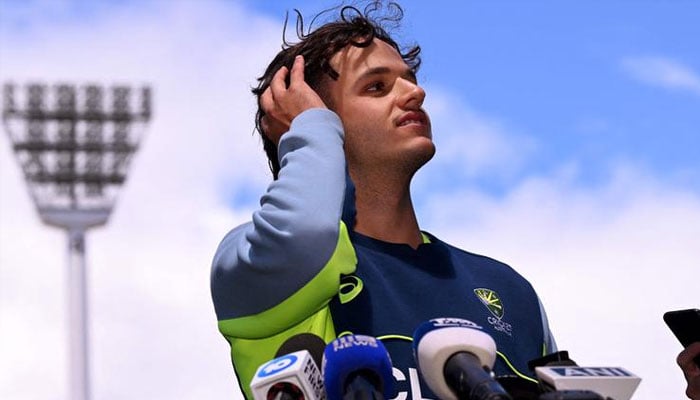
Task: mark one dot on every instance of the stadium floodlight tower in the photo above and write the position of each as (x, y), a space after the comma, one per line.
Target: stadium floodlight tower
(74, 144)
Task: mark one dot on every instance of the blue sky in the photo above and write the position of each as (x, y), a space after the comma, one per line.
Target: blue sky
(571, 76)
(567, 137)
(563, 74)
(555, 71)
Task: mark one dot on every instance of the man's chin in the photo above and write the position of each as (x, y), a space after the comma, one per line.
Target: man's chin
(421, 156)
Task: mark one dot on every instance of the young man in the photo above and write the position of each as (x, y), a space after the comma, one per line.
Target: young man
(335, 247)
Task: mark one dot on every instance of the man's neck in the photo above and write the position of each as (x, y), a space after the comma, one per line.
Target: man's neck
(385, 212)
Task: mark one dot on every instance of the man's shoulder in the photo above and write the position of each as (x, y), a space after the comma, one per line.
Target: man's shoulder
(474, 258)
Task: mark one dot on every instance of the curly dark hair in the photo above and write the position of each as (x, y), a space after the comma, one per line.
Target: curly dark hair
(318, 46)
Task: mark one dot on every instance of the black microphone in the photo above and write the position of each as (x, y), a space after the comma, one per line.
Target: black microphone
(455, 357)
(571, 395)
(304, 341)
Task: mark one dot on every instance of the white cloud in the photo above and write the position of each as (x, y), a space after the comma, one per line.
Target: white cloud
(607, 261)
(663, 72)
(470, 144)
(153, 328)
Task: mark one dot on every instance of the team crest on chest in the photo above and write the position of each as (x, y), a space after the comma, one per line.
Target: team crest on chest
(493, 303)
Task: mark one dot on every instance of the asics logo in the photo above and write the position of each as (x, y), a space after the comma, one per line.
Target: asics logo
(350, 287)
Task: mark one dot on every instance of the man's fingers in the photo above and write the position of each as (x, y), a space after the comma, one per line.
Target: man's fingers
(277, 84)
(282, 104)
(267, 101)
(297, 75)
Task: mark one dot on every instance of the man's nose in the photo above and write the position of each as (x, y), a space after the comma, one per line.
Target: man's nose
(412, 95)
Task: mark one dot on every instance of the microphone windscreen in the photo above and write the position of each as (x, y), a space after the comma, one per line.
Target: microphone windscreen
(352, 354)
(435, 341)
(304, 341)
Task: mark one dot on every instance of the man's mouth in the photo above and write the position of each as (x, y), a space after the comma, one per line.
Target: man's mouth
(412, 117)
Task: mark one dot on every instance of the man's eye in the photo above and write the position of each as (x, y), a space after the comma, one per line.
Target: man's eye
(376, 87)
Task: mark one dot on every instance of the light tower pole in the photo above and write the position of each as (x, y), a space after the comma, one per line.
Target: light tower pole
(74, 145)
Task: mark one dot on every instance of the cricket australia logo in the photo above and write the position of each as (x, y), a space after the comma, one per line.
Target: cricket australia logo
(493, 304)
(491, 301)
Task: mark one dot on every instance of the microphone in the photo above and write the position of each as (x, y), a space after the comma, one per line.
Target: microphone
(357, 367)
(304, 341)
(292, 376)
(455, 356)
(559, 375)
(522, 389)
(571, 395)
(610, 382)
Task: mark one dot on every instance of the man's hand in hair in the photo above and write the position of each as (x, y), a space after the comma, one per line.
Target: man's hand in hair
(282, 104)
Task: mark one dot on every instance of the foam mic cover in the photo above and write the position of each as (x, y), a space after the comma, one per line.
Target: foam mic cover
(304, 341)
(358, 366)
(435, 342)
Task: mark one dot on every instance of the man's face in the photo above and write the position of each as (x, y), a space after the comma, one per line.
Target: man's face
(380, 103)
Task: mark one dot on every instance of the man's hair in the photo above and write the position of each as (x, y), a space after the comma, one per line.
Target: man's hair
(318, 46)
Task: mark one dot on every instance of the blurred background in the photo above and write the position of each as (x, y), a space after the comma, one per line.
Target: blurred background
(568, 138)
